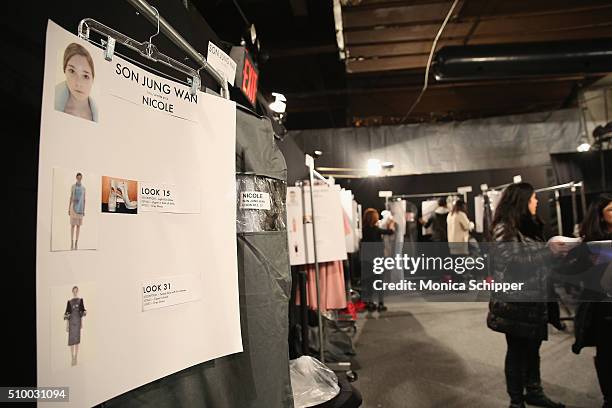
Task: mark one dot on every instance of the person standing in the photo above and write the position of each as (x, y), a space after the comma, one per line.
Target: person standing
(459, 227)
(593, 321)
(437, 222)
(522, 256)
(372, 234)
(76, 210)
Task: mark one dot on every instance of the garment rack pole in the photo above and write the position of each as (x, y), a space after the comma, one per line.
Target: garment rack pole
(560, 187)
(424, 195)
(153, 16)
(311, 174)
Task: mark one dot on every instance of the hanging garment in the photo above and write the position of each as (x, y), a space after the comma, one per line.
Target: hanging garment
(331, 286)
(427, 209)
(458, 233)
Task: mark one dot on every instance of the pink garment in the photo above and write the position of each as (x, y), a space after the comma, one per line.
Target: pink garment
(333, 291)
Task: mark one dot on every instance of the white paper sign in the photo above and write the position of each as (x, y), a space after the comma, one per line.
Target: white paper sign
(89, 291)
(169, 198)
(221, 62)
(329, 225)
(170, 291)
(254, 200)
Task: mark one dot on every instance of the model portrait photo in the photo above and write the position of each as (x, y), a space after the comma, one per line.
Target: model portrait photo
(73, 94)
(75, 217)
(119, 195)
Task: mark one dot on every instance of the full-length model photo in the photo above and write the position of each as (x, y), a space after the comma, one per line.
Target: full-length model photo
(74, 314)
(76, 210)
(74, 223)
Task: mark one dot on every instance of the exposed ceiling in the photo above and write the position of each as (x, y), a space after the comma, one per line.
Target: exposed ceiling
(387, 46)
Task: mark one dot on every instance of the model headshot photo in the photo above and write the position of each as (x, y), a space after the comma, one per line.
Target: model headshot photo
(74, 316)
(76, 210)
(74, 226)
(73, 94)
(119, 195)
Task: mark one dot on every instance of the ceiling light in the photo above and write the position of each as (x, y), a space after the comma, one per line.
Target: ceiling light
(374, 167)
(279, 104)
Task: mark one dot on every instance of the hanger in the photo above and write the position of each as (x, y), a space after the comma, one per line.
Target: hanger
(146, 49)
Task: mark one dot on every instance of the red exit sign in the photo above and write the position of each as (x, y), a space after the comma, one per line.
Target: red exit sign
(249, 80)
(247, 76)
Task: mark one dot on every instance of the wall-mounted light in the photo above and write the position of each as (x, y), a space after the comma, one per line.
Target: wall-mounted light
(584, 147)
(387, 165)
(374, 167)
(279, 105)
(317, 154)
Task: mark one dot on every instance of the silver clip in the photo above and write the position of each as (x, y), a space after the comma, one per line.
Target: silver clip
(109, 51)
(150, 45)
(195, 85)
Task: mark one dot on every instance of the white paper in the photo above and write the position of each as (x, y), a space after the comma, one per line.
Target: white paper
(118, 137)
(331, 245)
(171, 198)
(255, 200)
(170, 291)
(221, 62)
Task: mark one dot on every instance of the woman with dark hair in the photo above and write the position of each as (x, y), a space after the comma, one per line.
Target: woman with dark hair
(522, 257)
(372, 233)
(593, 322)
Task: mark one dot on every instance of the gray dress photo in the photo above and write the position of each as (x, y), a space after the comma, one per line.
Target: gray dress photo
(75, 311)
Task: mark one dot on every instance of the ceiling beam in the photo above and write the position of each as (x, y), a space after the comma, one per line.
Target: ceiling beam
(407, 33)
(354, 18)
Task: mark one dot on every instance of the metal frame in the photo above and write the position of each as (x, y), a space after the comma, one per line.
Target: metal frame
(148, 50)
(151, 14)
(452, 193)
(572, 186)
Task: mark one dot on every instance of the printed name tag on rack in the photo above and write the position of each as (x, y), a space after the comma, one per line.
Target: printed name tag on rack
(221, 62)
(254, 200)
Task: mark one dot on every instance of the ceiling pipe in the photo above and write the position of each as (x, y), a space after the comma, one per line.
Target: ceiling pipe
(517, 60)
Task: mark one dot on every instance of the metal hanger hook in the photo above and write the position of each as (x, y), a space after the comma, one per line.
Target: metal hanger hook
(157, 33)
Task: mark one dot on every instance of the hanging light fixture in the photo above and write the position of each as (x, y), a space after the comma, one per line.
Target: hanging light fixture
(279, 105)
(374, 167)
(584, 145)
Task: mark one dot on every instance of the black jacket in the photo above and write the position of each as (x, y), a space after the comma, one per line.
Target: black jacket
(520, 259)
(593, 320)
(438, 225)
(374, 234)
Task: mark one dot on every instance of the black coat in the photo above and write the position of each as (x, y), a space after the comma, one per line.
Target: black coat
(520, 259)
(593, 319)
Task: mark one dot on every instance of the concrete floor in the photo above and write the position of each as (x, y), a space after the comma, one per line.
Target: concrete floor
(423, 355)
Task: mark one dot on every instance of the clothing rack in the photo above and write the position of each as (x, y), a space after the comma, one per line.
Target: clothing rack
(148, 50)
(312, 173)
(572, 186)
(424, 195)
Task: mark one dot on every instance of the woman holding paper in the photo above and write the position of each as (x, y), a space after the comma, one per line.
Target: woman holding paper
(523, 317)
(593, 322)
